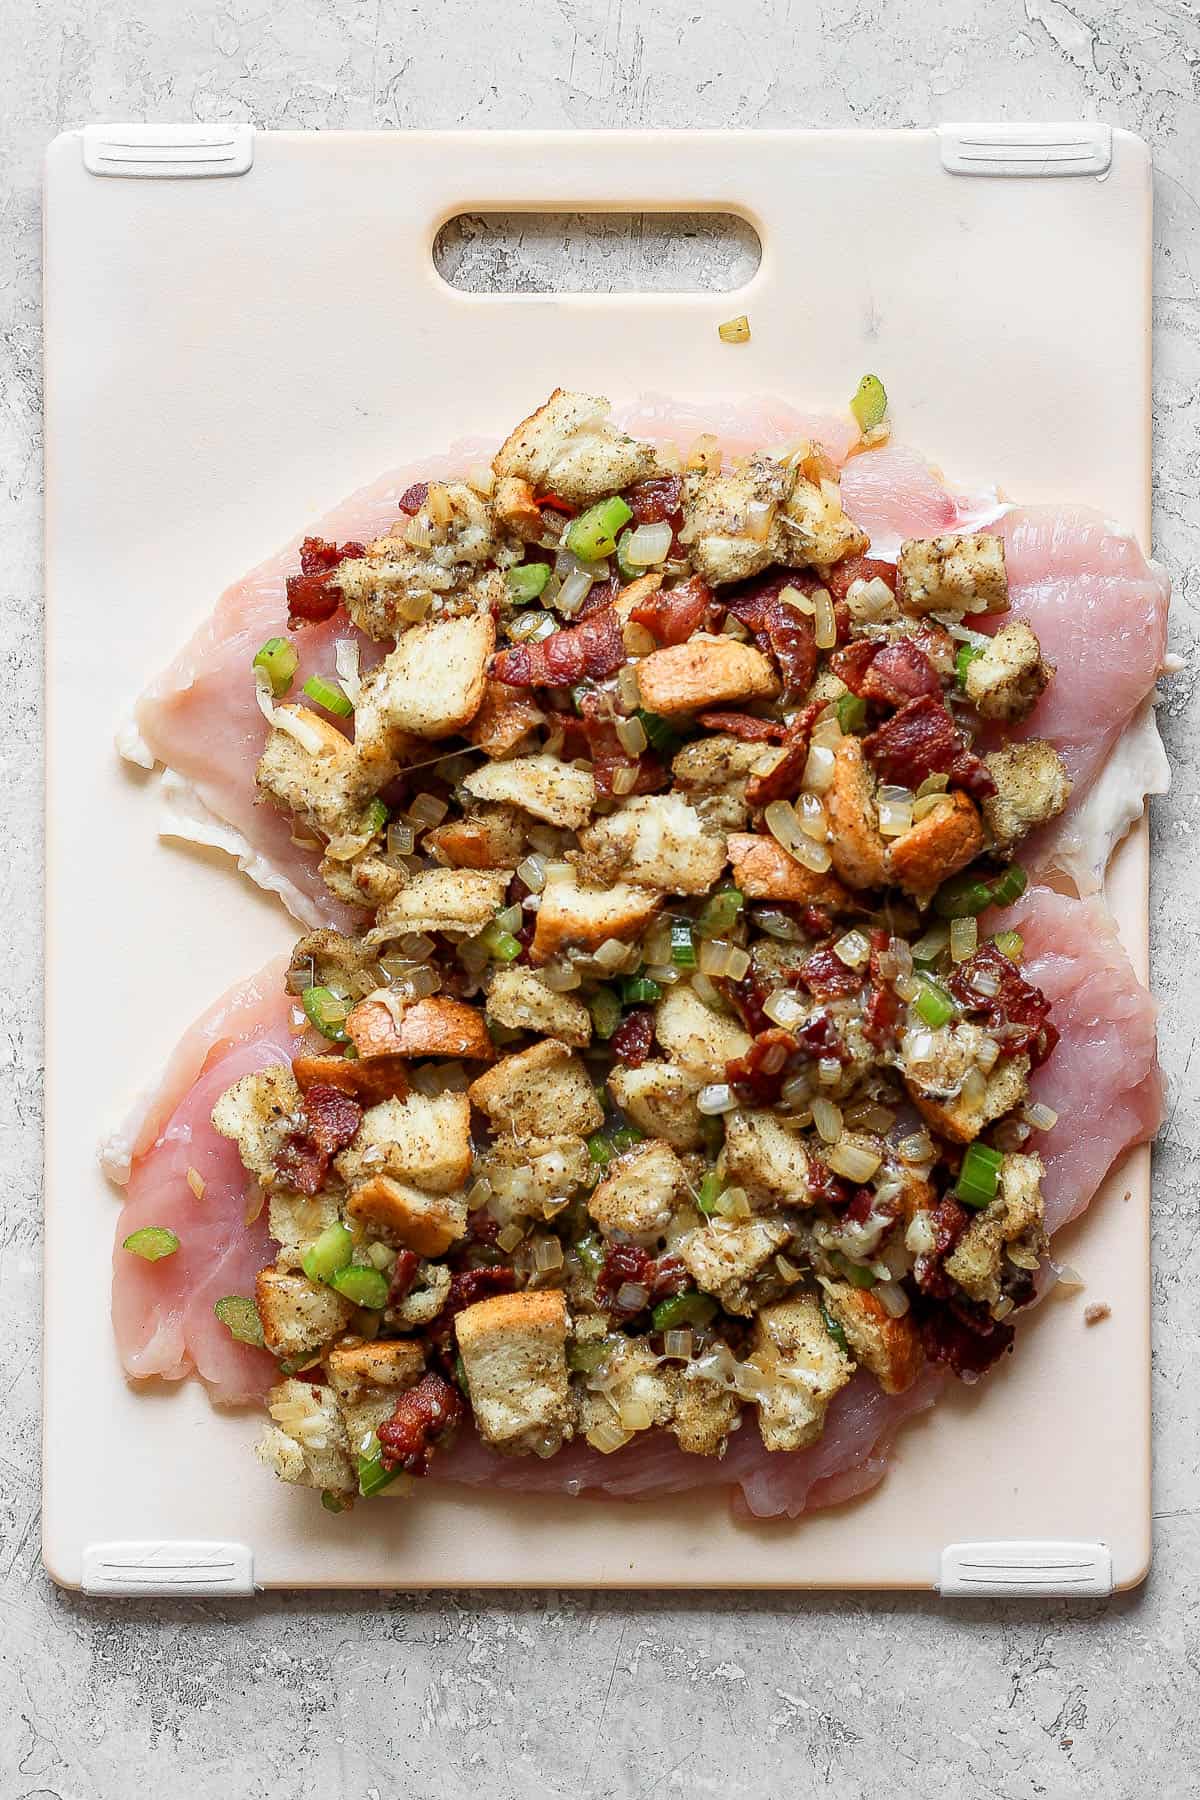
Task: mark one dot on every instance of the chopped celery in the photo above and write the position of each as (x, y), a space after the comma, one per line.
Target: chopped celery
(683, 948)
(661, 736)
(835, 1331)
(708, 1193)
(151, 1243)
(858, 1275)
(240, 1318)
(375, 818)
(962, 662)
(979, 1176)
(600, 1148)
(639, 990)
(851, 712)
(372, 1476)
(934, 1004)
(625, 1137)
(1011, 885)
(594, 533)
(590, 1250)
(586, 1358)
(327, 1012)
(719, 914)
(962, 897)
(629, 571)
(1010, 944)
(364, 1286)
(679, 1310)
(278, 661)
(333, 1502)
(460, 1374)
(605, 1008)
(869, 403)
(526, 581)
(329, 695)
(500, 945)
(328, 1254)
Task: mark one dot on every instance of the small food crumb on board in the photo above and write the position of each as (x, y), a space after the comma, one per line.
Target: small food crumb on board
(1098, 1310)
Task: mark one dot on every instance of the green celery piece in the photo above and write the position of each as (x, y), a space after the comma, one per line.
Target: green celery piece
(364, 1286)
(329, 695)
(835, 1331)
(240, 1318)
(851, 712)
(329, 1253)
(869, 404)
(934, 1004)
(326, 1012)
(681, 1310)
(151, 1243)
(720, 913)
(605, 1008)
(593, 533)
(278, 661)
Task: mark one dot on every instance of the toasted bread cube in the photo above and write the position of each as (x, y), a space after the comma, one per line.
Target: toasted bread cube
(513, 1349)
(517, 510)
(408, 1217)
(1032, 787)
(656, 841)
(699, 1040)
(257, 1112)
(424, 1299)
(397, 579)
(431, 685)
(729, 519)
(705, 671)
(639, 1193)
(433, 1026)
(859, 852)
(313, 771)
(366, 1379)
(532, 1178)
(423, 1138)
(793, 1346)
(576, 917)
(660, 1099)
(938, 846)
(379, 1078)
(537, 1092)
(704, 1415)
(461, 900)
(763, 870)
(297, 1314)
(518, 999)
(889, 1348)
(816, 527)
(1006, 680)
(542, 785)
(362, 880)
(724, 1258)
(491, 837)
(569, 447)
(962, 1119)
(329, 959)
(765, 1158)
(639, 1394)
(296, 1221)
(953, 574)
(307, 1444)
(505, 718)
(1015, 1217)
(712, 773)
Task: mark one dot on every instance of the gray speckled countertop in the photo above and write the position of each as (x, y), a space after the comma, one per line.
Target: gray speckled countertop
(612, 1697)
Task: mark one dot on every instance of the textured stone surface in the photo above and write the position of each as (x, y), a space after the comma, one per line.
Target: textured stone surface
(606, 1698)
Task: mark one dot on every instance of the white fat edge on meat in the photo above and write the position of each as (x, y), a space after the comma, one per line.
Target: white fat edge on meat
(114, 1152)
(981, 512)
(186, 818)
(1137, 768)
(131, 746)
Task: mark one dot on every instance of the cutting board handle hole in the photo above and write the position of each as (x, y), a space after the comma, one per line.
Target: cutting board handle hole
(597, 252)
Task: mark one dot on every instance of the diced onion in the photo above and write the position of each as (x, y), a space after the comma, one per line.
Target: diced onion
(733, 1203)
(703, 986)
(853, 949)
(632, 735)
(666, 974)
(481, 479)
(750, 1382)
(929, 803)
(916, 1148)
(964, 938)
(829, 1071)
(547, 1254)
(735, 331)
(427, 810)
(560, 977)
(987, 1054)
(894, 819)
(511, 1236)
(929, 947)
(818, 770)
(1042, 1118)
(781, 821)
(648, 545)
(920, 1237)
(854, 1161)
(534, 622)
(678, 1344)
(778, 925)
(892, 1297)
(533, 873)
(974, 1088)
(306, 735)
(624, 780)
(574, 591)
(796, 1090)
(634, 1415)
(611, 954)
(345, 660)
(715, 1098)
(824, 620)
(705, 453)
(196, 1182)
(813, 819)
(759, 514)
(869, 601)
(793, 597)
(608, 1436)
(933, 784)
(827, 1118)
(984, 982)
(632, 1296)
(628, 691)
(636, 639)
(784, 1008)
(715, 955)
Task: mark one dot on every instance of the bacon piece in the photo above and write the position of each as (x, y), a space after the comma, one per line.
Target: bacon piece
(949, 1220)
(631, 1042)
(881, 1011)
(670, 1276)
(313, 595)
(607, 753)
(827, 977)
(843, 575)
(404, 1273)
(673, 614)
(655, 500)
(1017, 1014)
(594, 648)
(413, 498)
(891, 673)
(759, 1075)
(423, 1415)
(624, 1263)
(968, 1343)
(922, 740)
(779, 628)
(744, 725)
(331, 1120)
(784, 780)
(824, 1185)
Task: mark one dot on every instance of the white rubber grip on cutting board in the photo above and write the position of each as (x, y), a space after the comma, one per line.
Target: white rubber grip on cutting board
(171, 1566)
(167, 152)
(1026, 1567)
(1026, 149)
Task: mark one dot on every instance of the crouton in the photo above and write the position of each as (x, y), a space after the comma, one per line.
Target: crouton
(366, 1378)
(859, 852)
(518, 999)
(1032, 786)
(576, 917)
(724, 1258)
(657, 841)
(703, 1416)
(460, 900)
(937, 846)
(423, 1301)
(257, 1113)
(953, 574)
(513, 1349)
(889, 1348)
(699, 1040)
(639, 1192)
(705, 671)
(542, 785)
(329, 959)
(638, 1395)
(712, 773)
(533, 1178)
(505, 718)
(793, 1346)
(298, 1315)
(1015, 1218)
(431, 685)
(660, 1099)
(729, 519)
(405, 1216)
(307, 1444)
(424, 1138)
(382, 1078)
(312, 770)
(489, 837)
(570, 448)
(362, 880)
(296, 1222)
(634, 592)
(516, 509)
(433, 1026)
(1006, 679)
(539, 1092)
(765, 1158)
(432, 556)
(763, 870)
(815, 526)
(963, 1118)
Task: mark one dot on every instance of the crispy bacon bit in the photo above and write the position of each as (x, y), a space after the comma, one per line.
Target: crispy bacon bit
(631, 1042)
(606, 752)
(819, 1037)
(673, 614)
(331, 1120)
(313, 595)
(826, 976)
(780, 629)
(413, 498)
(422, 1417)
(1016, 1014)
(881, 1011)
(949, 1221)
(670, 1276)
(758, 1076)
(922, 740)
(891, 673)
(824, 1186)
(744, 726)
(861, 1206)
(784, 780)
(594, 648)
(404, 1273)
(657, 499)
(623, 1263)
(843, 575)
(968, 1340)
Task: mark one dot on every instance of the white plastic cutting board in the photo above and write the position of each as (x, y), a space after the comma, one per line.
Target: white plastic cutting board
(243, 327)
